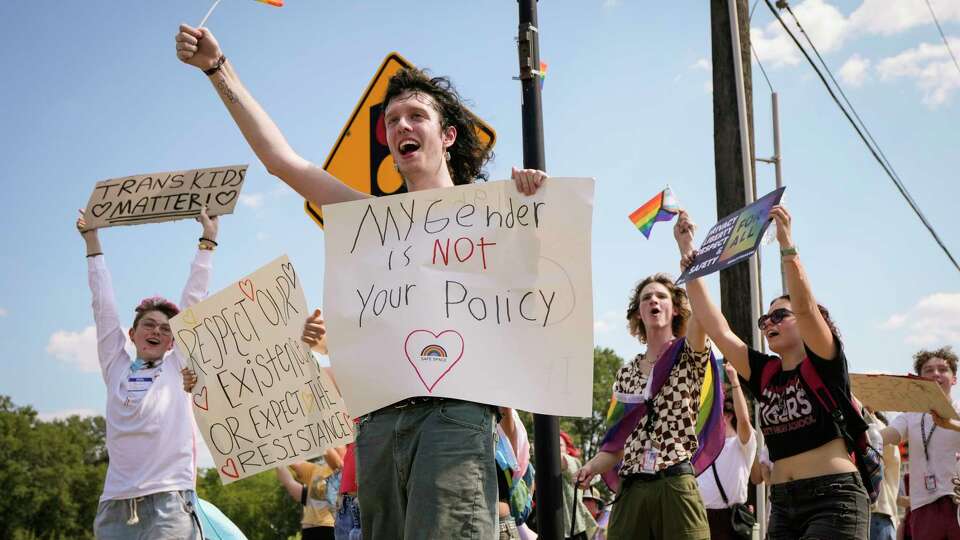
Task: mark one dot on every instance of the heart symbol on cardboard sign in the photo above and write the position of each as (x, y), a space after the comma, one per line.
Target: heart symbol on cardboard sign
(230, 469)
(100, 209)
(190, 317)
(225, 197)
(200, 399)
(245, 284)
(433, 355)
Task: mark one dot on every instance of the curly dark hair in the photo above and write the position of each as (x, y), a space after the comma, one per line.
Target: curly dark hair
(946, 353)
(155, 303)
(468, 154)
(681, 307)
(824, 312)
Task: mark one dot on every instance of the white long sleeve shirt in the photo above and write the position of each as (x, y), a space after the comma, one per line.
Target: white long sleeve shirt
(151, 440)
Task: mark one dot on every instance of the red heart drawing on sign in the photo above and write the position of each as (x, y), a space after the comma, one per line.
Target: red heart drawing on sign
(200, 400)
(230, 469)
(433, 355)
(249, 285)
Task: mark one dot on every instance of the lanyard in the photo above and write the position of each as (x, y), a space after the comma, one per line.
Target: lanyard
(925, 438)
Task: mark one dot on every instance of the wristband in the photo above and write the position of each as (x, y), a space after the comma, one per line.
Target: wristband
(89, 255)
(787, 251)
(205, 247)
(216, 67)
(204, 239)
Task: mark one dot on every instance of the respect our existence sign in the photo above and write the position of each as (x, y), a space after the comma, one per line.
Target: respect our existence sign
(261, 400)
(164, 196)
(733, 238)
(474, 292)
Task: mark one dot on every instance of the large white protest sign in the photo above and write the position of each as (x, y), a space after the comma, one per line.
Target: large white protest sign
(261, 401)
(474, 292)
(164, 196)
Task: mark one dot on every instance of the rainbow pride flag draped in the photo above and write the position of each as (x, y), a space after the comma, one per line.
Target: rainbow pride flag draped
(627, 411)
(661, 207)
(277, 3)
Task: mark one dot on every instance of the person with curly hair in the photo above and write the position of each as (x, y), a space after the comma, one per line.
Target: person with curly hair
(933, 452)
(425, 466)
(658, 494)
(149, 490)
(816, 491)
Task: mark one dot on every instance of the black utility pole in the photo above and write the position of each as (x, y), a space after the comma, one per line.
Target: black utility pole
(735, 297)
(546, 429)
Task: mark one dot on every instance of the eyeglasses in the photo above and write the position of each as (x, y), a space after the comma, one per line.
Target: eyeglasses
(774, 317)
(150, 326)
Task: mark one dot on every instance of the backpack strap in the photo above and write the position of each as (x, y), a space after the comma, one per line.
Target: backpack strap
(723, 493)
(771, 368)
(810, 376)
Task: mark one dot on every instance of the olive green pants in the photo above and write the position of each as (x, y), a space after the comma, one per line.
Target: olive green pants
(665, 509)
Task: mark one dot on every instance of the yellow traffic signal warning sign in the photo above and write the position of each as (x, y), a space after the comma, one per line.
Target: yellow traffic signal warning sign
(360, 158)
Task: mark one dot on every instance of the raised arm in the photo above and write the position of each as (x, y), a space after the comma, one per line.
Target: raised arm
(199, 48)
(294, 488)
(197, 284)
(110, 336)
(813, 327)
(740, 408)
(707, 314)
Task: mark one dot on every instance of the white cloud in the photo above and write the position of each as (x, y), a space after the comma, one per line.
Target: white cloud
(827, 27)
(63, 414)
(855, 70)
(607, 322)
(4, 312)
(929, 66)
(79, 349)
(76, 348)
(932, 322)
(703, 64)
(252, 200)
(887, 17)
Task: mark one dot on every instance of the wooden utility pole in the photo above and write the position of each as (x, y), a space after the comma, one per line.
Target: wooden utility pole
(735, 282)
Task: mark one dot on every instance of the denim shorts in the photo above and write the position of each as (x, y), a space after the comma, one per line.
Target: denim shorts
(831, 507)
(346, 522)
(158, 516)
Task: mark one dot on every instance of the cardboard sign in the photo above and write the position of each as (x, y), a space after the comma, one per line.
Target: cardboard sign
(164, 196)
(901, 393)
(261, 400)
(474, 292)
(360, 158)
(734, 238)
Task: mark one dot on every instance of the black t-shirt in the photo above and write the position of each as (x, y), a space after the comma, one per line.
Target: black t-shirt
(791, 418)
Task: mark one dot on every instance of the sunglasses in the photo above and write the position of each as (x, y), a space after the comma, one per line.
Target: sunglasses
(774, 317)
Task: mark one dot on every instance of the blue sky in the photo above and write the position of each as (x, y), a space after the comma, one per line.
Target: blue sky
(93, 90)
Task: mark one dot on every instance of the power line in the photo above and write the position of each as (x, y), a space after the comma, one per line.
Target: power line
(875, 152)
(943, 37)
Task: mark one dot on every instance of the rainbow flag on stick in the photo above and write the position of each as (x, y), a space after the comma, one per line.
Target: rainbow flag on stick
(661, 207)
(276, 3)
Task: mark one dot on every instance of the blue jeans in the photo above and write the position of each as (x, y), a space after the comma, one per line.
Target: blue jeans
(346, 523)
(158, 516)
(881, 527)
(427, 470)
(833, 507)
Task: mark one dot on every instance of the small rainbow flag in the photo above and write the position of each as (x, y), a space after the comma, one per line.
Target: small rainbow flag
(661, 207)
(275, 3)
(543, 73)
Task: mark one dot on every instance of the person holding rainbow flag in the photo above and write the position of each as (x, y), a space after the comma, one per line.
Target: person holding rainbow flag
(662, 436)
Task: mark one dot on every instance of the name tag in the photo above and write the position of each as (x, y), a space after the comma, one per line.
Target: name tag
(139, 384)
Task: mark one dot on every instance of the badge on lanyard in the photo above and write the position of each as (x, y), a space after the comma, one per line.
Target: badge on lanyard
(649, 464)
(139, 384)
(930, 482)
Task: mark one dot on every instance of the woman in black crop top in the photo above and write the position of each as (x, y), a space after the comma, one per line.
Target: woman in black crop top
(816, 491)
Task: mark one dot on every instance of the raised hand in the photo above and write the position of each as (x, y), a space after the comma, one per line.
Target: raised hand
(197, 47)
(783, 219)
(683, 231)
(528, 180)
(211, 225)
(89, 236)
